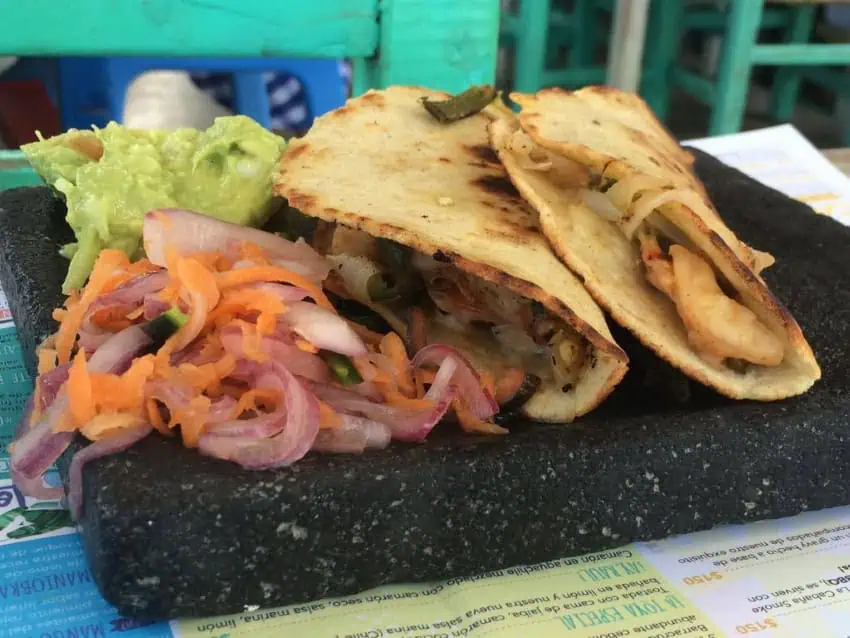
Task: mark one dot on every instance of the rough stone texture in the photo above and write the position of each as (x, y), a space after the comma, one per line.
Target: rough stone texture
(169, 532)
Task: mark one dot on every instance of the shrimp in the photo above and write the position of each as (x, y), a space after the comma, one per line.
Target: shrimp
(717, 325)
(659, 270)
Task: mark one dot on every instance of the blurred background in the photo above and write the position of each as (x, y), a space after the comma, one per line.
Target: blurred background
(692, 55)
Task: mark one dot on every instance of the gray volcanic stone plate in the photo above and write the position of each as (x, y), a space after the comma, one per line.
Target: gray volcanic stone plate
(169, 532)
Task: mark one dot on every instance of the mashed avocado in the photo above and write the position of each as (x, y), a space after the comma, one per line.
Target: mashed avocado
(111, 177)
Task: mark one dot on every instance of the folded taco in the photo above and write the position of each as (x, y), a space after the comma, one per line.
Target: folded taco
(622, 207)
(424, 226)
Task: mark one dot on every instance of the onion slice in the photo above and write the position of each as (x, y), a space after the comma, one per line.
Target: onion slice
(127, 297)
(324, 329)
(187, 233)
(300, 363)
(354, 435)
(118, 352)
(117, 442)
(50, 383)
(301, 410)
(39, 447)
(600, 204)
(480, 402)
(35, 487)
(405, 424)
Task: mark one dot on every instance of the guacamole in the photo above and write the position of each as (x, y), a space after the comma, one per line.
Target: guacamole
(111, 177)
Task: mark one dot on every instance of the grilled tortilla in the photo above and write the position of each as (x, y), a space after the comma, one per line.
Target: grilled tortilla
(382, 165)
(637, 226)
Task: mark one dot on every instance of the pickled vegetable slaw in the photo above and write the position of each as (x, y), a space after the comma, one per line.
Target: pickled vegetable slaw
(223, 336)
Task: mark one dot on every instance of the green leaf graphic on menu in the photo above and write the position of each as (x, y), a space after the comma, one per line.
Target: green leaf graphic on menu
(28, 522)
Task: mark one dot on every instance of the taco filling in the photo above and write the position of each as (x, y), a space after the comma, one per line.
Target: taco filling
(721, 329)
(505, 335)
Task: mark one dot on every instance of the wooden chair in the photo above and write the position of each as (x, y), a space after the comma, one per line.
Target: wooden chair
(443, 44)
(740, 22)
(537, 31)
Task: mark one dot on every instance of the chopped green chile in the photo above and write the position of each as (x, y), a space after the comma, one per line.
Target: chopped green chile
(457, 107)
(382, 287)
(394, 255)
(161, 328)
(342, 367)
(357, 312)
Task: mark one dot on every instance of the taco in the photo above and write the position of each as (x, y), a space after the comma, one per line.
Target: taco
(428, 230)
(634, 222)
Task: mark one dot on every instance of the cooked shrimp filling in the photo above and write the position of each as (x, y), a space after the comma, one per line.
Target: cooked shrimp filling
(718, 327)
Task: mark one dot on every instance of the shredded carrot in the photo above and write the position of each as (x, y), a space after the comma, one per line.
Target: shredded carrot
(252, 344)
(206, 377)
(201, 287)
(193, 420)
(371, 372)
(133, 380)
(305, 346)
(328, 417)
(211, 349)
(370, 337)
(393, 348)
(195, 276)
(486, 380)
(171, 293)
(266, 323)
(111, 319)
(422, 377)
(155, 417)
(116, 280)
(66, 336)
(251, 400)
(398, 399)
(59, 315)
(141, 267)
(470, 423)
(251, 251)
(108, 394)
(163, 355)
(46, 360)
(136, 314)
(508, 385)
(92, 395)
(239, 302)
(79, 389)
(106, 422)
(212, 260)
(273, 273)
